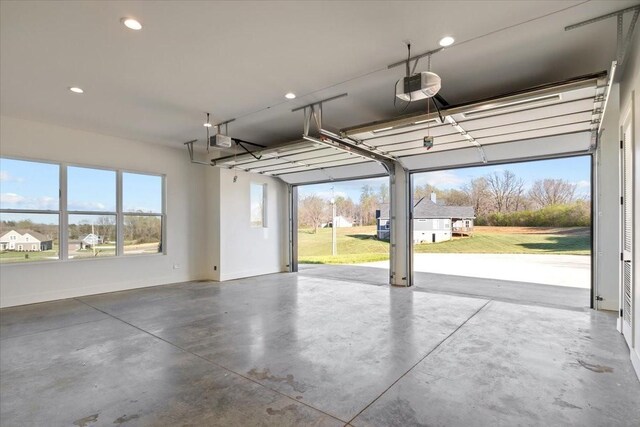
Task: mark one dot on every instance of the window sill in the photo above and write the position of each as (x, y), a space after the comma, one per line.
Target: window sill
(79, 260)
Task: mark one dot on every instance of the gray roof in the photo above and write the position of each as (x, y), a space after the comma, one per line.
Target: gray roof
(425, 208)
(41, 237)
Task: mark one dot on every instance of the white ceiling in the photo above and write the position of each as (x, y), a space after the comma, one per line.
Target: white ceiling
(237, 59)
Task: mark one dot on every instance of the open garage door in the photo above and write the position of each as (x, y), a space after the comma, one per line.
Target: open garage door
(553, 120)
(338, 233)
(550, 121)
(516, 231)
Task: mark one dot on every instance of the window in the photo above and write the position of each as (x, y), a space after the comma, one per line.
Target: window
(91, 236)
(29, 211)
(142, 206)
(91, 203)
(258, 205)
(107, 212)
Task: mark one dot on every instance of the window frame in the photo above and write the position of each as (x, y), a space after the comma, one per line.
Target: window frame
(63, 212)
(120, 208)
(264, 187)
(69, 212)
(39, 211)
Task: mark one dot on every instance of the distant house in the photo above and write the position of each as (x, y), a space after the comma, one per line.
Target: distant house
(343, 222)
(25, 241)
(90, 240)
(432, 222)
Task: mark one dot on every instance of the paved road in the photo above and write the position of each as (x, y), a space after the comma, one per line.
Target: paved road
(559, 270)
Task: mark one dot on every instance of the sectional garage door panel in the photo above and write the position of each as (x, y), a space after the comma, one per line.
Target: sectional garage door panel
(360, 170)
(497, 125)
(291, 158)
(551, 120)
(577, 143)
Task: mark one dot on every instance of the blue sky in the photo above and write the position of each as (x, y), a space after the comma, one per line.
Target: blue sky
(574, 169)
(30, 185)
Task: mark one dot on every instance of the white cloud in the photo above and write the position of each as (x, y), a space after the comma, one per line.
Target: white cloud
(440, 179)
(583, 184)
(45, 202)
(11, 199)
(16, 201)
(7, 177)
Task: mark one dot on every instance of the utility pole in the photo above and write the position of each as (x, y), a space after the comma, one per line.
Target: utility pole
(334, 240)
(334, 246)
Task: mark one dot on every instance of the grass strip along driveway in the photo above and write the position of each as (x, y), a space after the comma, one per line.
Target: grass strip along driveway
(359, 244)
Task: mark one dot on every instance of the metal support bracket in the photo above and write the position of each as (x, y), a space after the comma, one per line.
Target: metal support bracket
(600, 103)
(225, 124)
(313, 112)
(347, 145)
(622, 41)
(468, 137)
(189, 145)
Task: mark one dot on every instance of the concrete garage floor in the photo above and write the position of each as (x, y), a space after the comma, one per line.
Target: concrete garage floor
(289, 349)
(503, 290)
(559, 270)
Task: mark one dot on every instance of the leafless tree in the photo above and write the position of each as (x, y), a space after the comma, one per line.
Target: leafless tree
(383, 194)
(477, 192)
(548, 192)
(368, 205)
(455, 197)
(345, 207)
(313, 211)
(506, 191)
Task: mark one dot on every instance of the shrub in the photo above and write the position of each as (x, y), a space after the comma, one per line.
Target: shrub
(577, 214)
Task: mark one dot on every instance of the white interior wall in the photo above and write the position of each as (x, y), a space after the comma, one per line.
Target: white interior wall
(630, 95)
(608, 197)
(43, 281)
(213, 221)
(245, 250)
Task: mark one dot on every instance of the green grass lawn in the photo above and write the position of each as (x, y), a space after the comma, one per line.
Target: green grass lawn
(494, 243)
(14, 256)
(358, 244)
(355, 245)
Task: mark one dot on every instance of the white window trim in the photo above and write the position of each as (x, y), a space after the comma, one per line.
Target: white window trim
(63, 213)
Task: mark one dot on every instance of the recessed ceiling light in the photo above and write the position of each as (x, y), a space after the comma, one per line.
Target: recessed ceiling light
(290, 95)
(208, 125)
(76, 89)
(132, 24)
(446, 41)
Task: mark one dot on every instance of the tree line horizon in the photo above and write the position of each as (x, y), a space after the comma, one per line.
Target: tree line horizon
(498, 199)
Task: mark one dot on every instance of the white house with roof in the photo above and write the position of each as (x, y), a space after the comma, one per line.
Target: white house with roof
(432, 222)
(25, 241)
(341, 222)
(91, 240)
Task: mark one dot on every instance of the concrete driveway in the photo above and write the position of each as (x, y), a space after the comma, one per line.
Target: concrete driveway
(559, 270)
